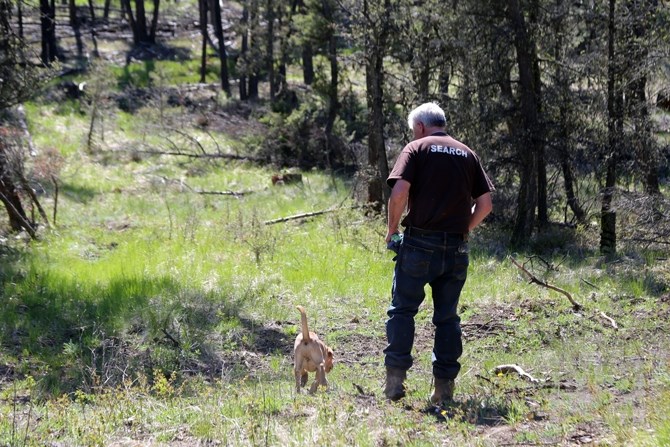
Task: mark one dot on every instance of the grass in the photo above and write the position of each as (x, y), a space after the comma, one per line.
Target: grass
(156, 315)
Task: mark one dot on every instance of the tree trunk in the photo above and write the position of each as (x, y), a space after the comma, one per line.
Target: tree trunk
(563, 133)
(141, 22)
(94, 38)
(333, 102)
(253, 49)
(648, 162)
(48, 26)
(646, 149)
(530, 143)
(202, 7)
(568, 184)
(307, 53)
(608, 236)
(128, 10)
(138, 21)
(421, 65)
(105, 13)
(154, 21)
(74, 23)
(542, 205)
(444, 79)
(307, 63)
(223, 57)
(91, 10)
(244, 53)
(19, 17)
(375, 49)
(270, 58)
(282, 81)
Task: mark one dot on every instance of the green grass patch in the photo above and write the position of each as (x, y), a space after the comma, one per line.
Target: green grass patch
(153, 312)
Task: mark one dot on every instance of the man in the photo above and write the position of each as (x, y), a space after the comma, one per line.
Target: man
(446, 192)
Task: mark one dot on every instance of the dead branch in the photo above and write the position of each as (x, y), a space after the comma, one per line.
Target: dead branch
(190, 138)
(33, 197)
(171, 338)
(297, 217)
(192, 155)
(575, 305)
(226, 193)
(547, 264)
(591, 284)
(307, 215)
(533, 279)
(54, 180)
(11, 209)
(197, 191)
(486, 379)
(512, 368)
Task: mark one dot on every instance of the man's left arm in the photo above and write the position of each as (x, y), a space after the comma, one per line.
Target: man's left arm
(482, 208)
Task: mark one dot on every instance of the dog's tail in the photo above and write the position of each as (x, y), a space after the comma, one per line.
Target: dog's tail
(303, 322)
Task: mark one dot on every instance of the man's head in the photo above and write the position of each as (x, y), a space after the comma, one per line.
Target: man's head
(426, 119)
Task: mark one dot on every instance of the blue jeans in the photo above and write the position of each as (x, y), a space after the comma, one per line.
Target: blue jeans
(441, 260)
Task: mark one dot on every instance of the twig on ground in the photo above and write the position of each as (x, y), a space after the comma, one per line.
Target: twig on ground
(591, 284)
(486, 379)
(307, 215)
(547, 264)
(575, 305)
(171, 338)
(532, 278)
(226, 193)
(360, 390)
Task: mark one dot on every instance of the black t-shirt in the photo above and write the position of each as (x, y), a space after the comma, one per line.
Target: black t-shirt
(445, 176)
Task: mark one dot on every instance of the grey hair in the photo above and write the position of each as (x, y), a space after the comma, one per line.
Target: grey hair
(430, 114)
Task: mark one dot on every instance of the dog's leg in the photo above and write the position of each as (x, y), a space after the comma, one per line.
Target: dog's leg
(320, 378)
(298, 371)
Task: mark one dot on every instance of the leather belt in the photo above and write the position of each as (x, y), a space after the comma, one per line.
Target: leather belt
(419, 232)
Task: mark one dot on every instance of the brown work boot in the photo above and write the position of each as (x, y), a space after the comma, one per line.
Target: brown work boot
(443, 392)
(395, 387)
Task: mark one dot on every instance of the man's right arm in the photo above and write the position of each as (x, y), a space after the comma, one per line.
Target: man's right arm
(396, 206)
(482, 208)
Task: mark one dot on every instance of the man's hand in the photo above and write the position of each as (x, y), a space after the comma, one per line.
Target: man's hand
(394, 243)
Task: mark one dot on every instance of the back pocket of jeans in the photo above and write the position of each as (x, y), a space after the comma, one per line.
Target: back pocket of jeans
(461, 261)
(415, 261)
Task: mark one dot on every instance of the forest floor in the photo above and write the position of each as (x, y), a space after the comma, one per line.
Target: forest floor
(595, 382)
